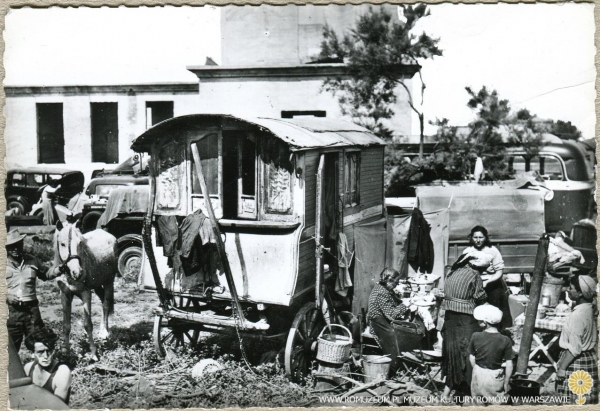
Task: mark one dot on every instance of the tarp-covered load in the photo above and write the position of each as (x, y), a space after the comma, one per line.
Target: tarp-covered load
(125, 200)
(507, 213)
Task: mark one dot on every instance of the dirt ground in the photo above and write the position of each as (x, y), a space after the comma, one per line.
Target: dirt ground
(130, 374)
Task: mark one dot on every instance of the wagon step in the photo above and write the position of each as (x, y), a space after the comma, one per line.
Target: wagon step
(211, 319)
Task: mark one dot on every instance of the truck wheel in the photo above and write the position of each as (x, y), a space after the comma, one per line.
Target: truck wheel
(17, 207)
(130, 263)
(89, 221)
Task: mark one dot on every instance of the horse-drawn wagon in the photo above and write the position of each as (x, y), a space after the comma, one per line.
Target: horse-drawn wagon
(251, 223)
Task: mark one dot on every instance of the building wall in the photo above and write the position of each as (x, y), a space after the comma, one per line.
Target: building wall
(274, 35)
(21, 123)
(268, 97)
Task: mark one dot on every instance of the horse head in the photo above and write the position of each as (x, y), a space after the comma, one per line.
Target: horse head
(67, 239)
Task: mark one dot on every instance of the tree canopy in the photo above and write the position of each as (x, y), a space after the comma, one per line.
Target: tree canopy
(495, 127)
(373, 51)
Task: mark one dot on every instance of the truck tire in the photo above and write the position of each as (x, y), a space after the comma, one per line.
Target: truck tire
(89, 221)
(130, 263)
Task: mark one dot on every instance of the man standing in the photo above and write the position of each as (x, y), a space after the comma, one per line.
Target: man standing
(24, 316)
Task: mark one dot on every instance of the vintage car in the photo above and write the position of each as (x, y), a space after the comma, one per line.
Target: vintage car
(24, 186)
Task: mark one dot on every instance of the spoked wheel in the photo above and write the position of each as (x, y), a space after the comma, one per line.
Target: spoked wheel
(301, 346)
(171, 334)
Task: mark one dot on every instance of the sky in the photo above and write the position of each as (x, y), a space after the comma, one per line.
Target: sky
(538, 56)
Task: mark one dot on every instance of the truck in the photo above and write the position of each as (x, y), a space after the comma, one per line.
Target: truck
(117, 203)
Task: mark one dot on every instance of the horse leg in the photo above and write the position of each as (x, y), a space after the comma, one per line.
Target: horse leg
(86, 297)
(101, 292)
(66, 297)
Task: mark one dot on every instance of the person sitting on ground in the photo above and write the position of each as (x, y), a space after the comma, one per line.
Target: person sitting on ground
(44, 370)
(488, 350)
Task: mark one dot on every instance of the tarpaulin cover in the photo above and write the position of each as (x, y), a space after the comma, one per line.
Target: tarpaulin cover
(369, 245)
(507, 213)
(397, 233)
(127, 200)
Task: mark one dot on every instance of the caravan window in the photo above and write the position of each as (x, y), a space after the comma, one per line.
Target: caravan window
(351, 178)
(229, 164)
(278, 177)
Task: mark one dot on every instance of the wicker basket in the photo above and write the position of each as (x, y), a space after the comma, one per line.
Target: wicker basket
(334, 348)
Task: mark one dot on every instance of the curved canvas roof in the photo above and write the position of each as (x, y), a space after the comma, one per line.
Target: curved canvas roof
(300, 133)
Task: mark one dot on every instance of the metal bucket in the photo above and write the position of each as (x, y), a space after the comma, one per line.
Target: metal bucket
(551, 288)
(376, 367)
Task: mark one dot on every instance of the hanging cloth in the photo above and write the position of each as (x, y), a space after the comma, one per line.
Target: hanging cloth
(420, 245)
(343, 280)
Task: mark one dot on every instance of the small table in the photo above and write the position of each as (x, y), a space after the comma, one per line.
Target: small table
(549, 324)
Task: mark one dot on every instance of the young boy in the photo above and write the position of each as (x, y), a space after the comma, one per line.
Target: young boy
(487, 351)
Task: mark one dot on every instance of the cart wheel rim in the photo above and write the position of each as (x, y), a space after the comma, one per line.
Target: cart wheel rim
(299, 350)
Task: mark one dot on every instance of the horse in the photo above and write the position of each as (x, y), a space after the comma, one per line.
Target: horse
(87, 262)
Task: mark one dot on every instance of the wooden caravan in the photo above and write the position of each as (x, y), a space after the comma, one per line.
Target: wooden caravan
(281, 191)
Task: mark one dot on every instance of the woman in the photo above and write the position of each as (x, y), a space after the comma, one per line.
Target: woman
(578, 340)
(45, 371)
(493, 282)
(384, 307)
(46, 200)
(463, 291)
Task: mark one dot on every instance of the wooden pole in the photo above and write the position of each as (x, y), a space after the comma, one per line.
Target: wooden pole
(217, 233)
(532, 307)
(318, 234)
(163, 296)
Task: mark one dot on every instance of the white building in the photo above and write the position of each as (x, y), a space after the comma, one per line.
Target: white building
(87, 126)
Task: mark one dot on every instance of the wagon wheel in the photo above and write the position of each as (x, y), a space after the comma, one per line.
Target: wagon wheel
(301, 346)
(172, 333)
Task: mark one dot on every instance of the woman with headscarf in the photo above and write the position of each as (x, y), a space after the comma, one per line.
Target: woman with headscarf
(384, 307)
(463, 291)
(578, 339)
(46, 200)
(491, 273)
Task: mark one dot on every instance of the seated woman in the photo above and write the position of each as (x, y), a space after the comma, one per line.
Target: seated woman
(384, 307)
(463, 291)
(44, 370)
(491, 272)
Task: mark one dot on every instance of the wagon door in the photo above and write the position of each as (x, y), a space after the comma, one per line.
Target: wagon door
(327, 220)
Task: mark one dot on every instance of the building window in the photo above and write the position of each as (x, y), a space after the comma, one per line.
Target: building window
(303, 113)
(50, 133)
(157, 111)
(351, 178)
(105, 133)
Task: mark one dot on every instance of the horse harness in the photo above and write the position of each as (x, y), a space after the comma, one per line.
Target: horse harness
(64, 268)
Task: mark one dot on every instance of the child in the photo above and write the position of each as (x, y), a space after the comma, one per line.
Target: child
(487, 351)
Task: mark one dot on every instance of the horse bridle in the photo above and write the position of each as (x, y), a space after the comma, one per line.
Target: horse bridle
(63, 266)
